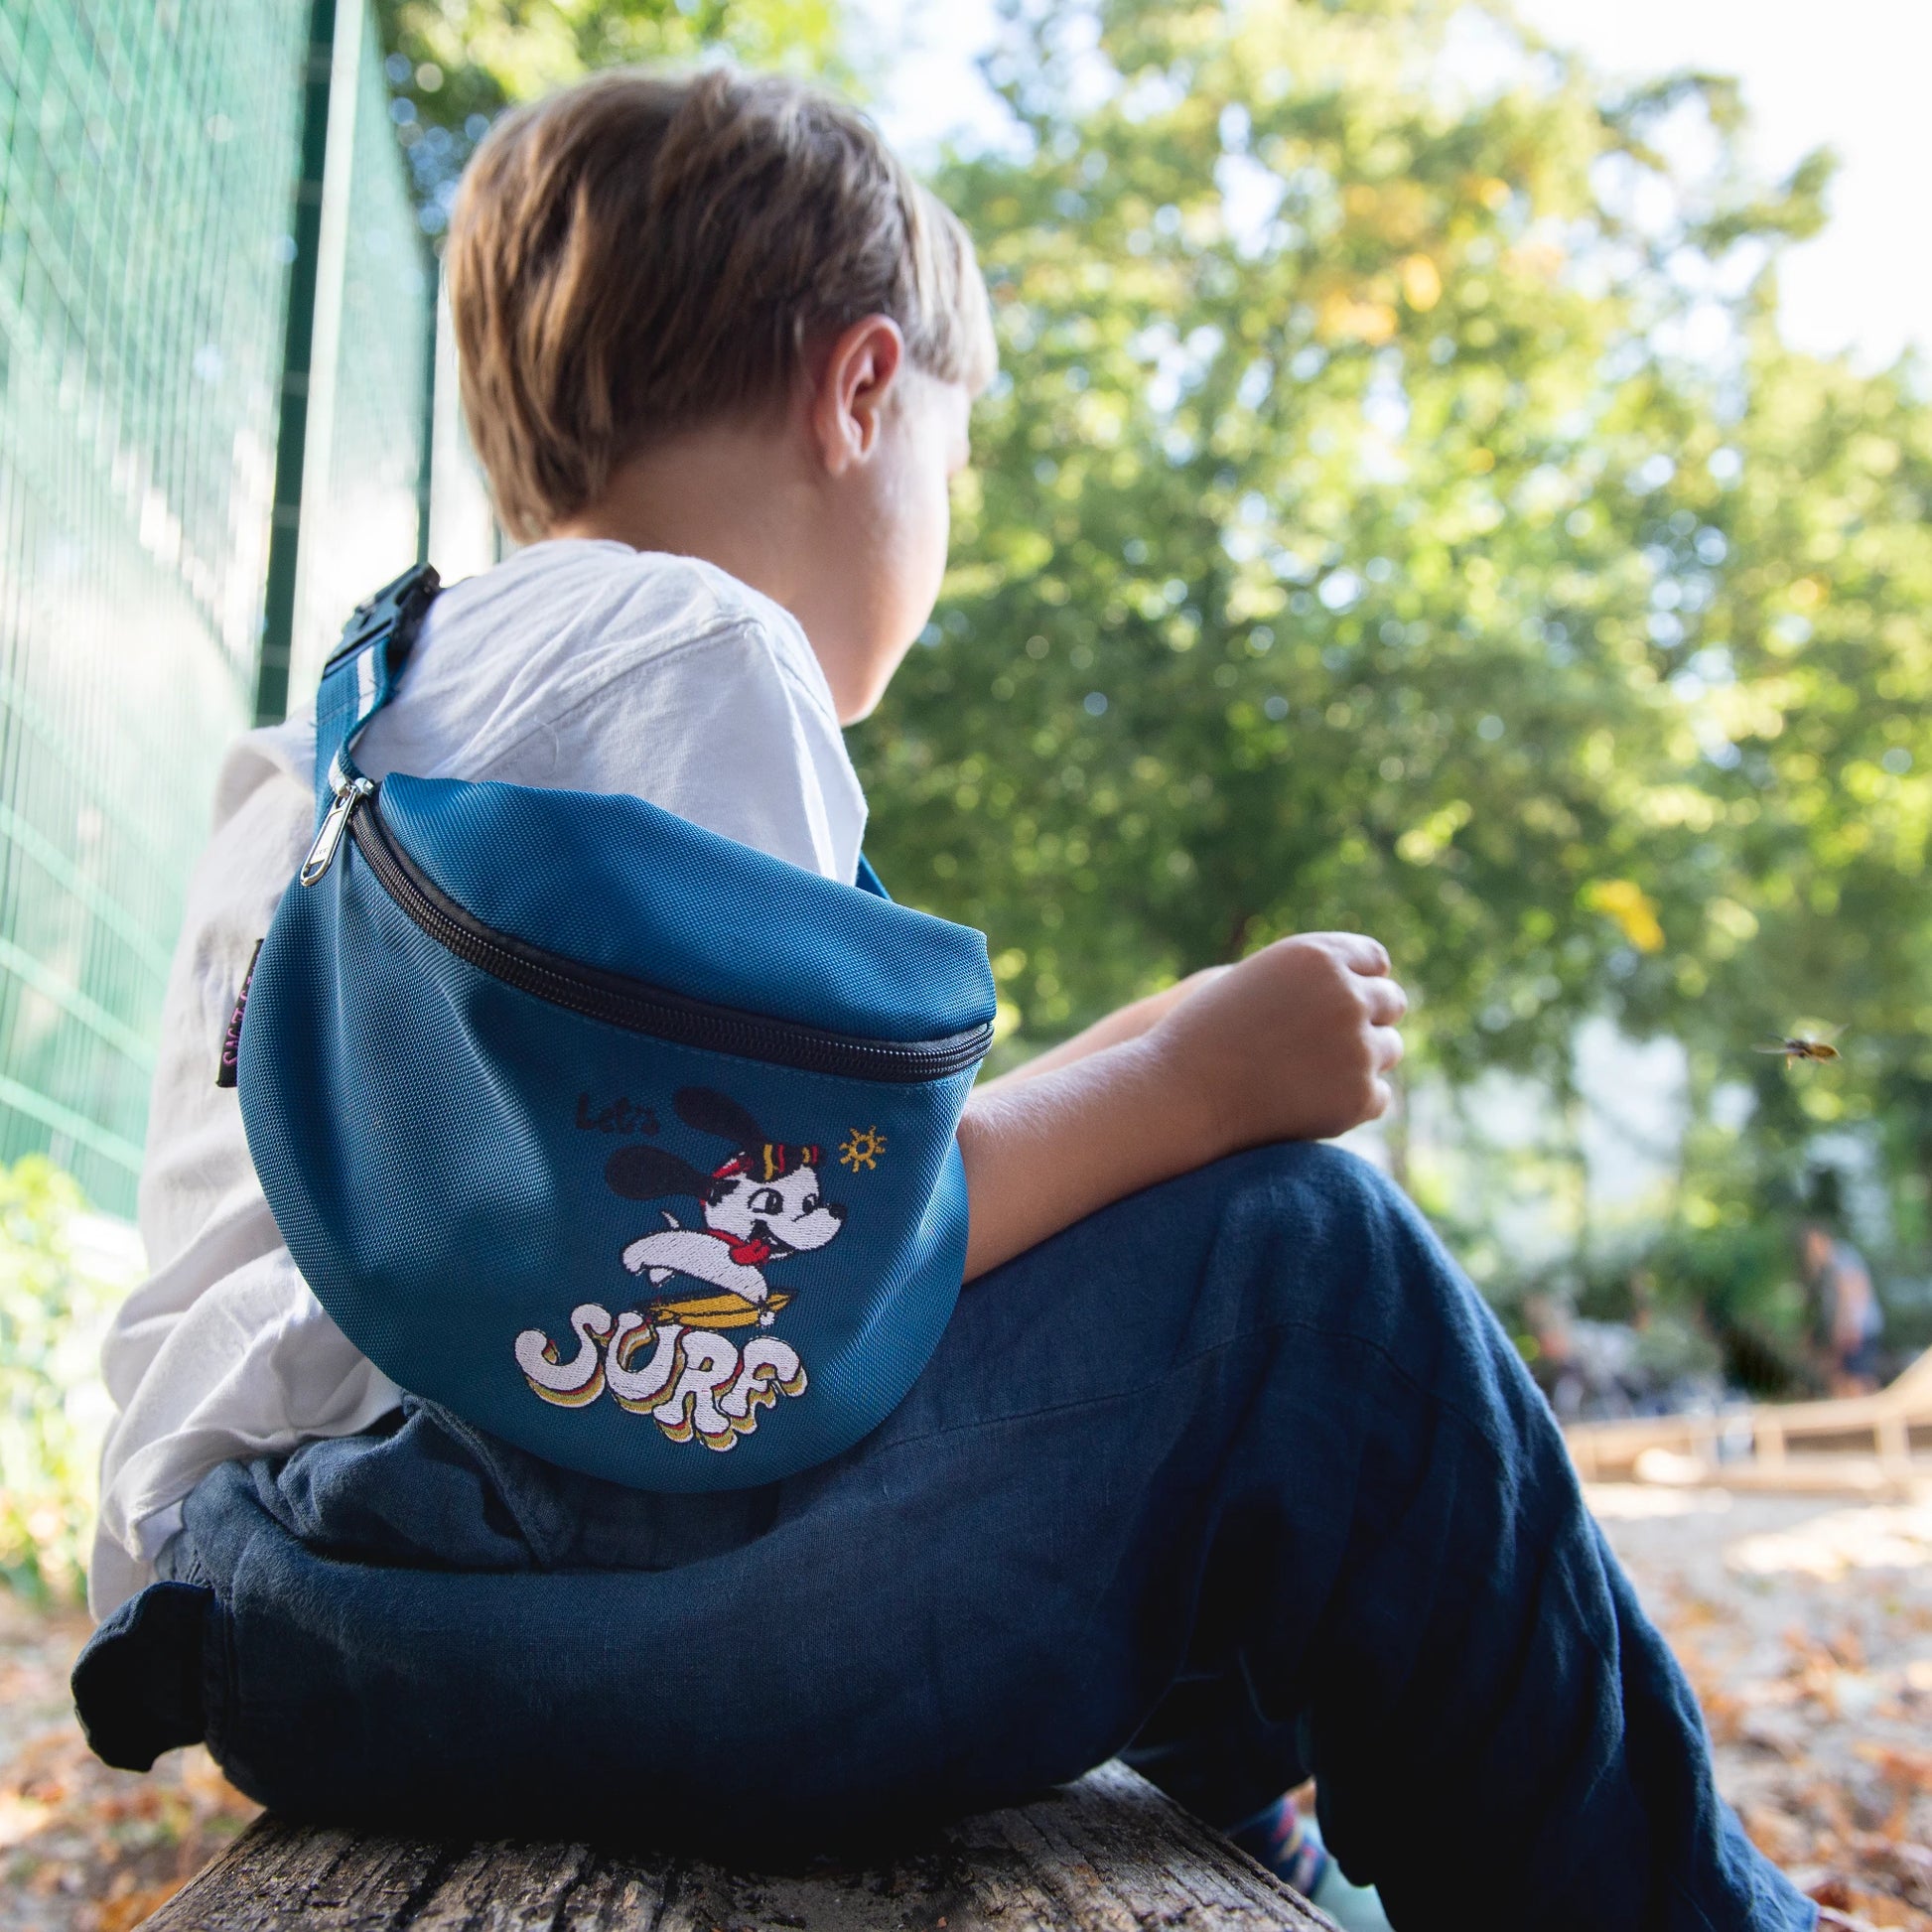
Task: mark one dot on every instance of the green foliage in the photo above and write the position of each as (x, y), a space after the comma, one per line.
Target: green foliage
(1399, 512)
(53, 1309)
(455, 65)
(1819, 633)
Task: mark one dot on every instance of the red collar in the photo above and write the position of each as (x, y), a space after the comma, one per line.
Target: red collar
(754, 1253)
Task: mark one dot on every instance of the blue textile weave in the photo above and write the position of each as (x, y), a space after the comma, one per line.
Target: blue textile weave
(621, 1140)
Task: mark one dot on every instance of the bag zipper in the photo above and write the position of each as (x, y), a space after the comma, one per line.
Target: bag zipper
(611, 996)
(329, 835)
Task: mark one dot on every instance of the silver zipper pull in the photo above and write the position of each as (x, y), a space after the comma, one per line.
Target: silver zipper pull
(322, 854)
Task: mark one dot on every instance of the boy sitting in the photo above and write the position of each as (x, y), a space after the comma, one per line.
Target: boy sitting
(1221, 1466)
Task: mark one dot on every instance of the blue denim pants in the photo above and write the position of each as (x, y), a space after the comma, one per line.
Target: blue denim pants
(1237, 1479)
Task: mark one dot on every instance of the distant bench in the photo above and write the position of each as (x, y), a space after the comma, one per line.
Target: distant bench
(1110, 1854)
(1892, 1424)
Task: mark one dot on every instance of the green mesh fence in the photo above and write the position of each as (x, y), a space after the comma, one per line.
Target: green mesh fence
(149, 163)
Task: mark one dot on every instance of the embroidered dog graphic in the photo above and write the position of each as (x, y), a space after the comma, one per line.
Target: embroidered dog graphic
(763, 1204)
(759, 1206)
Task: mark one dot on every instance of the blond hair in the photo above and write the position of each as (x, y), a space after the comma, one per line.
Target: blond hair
(644, 251)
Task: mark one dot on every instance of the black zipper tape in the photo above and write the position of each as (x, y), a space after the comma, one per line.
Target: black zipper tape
(638, 1007)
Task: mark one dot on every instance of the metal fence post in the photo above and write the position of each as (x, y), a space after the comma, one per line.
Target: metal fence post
(292, 429)
(426, 471)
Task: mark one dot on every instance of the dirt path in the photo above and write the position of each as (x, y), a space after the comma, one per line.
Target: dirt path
(1806, 1627)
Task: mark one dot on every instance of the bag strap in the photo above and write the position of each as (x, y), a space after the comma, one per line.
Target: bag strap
(360, 675)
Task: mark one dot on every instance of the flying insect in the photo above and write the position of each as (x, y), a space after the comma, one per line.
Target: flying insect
(1799, 1047)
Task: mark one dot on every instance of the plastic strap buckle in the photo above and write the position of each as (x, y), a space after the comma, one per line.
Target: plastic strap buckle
(398, 609)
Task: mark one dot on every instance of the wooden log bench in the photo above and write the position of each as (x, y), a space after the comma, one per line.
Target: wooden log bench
(1110, 1854)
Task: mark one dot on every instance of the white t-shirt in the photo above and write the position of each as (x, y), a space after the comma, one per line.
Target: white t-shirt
(578, 665)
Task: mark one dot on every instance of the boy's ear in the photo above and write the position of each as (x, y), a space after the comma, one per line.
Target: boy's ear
(847, 407)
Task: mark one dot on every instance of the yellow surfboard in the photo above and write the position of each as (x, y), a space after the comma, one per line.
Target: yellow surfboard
(716, 1310)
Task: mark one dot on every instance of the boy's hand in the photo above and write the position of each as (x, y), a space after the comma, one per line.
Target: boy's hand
(1294, 1043)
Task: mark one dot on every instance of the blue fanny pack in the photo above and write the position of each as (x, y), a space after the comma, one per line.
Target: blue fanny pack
(621, 1140)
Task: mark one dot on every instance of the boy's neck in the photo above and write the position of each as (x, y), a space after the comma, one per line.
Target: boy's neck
(734, 497)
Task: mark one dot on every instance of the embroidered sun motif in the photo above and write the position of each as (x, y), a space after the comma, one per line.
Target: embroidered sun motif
(861, 1149)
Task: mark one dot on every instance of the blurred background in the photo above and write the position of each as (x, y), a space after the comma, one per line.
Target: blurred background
(1459, 472)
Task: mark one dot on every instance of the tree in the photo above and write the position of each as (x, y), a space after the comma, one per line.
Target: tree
(1309, 573)
(454, 64)
(1398, 511)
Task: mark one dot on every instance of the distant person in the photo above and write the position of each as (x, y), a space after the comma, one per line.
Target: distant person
(1847, 1318)
(1221, 1463)
(1584, 1368)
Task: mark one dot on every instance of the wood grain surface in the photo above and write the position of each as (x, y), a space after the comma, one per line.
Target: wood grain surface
(1110, 1854)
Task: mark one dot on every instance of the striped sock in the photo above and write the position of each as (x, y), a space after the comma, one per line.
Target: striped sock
(1277, 1839)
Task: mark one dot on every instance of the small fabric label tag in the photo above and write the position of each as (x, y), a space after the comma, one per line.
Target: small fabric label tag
(224, 1074)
